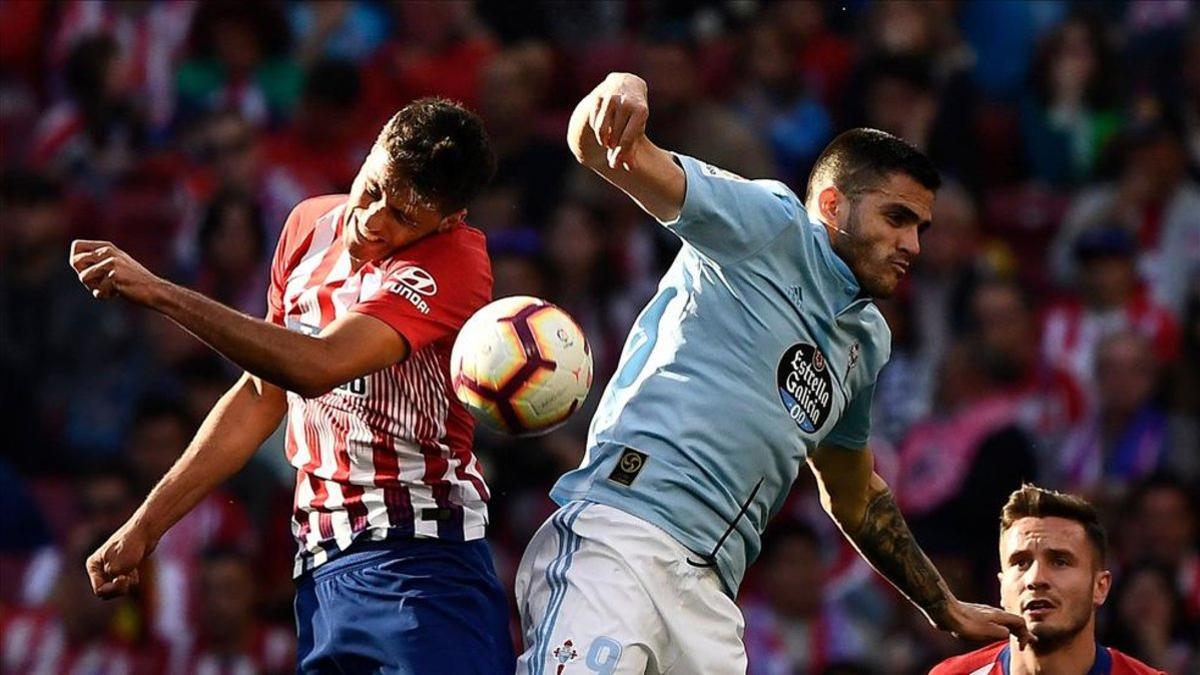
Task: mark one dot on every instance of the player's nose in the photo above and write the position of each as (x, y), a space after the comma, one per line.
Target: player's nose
(910, 242)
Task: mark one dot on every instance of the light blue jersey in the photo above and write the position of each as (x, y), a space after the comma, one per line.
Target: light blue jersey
(756, 347)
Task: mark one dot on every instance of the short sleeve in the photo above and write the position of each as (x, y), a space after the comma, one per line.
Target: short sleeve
(280, 264)
(429, 299)
(854, 428)
(727, 217)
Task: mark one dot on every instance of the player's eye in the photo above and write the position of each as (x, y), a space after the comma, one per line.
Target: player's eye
(373, 191)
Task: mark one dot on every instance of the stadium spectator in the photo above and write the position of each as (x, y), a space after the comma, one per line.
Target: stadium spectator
(1148, 620)
(438, 49)
(157, 437)
(686, 120)
(823, 56)
(75, 631)
(1109, 301)
(151, 38)
(774, 101)
(1160, 525)
(958, 465)
(231, 638)
(1126, 437)
(44, 313)
(233, 253)
(103, 499)
(1071, 111)
(791, 626)
(511, 93)
(95, 135)
(326, 140)
(1154, 199)
(239, 61)
(1001, 327)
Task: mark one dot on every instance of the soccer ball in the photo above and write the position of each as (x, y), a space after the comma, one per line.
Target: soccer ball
(521, 365)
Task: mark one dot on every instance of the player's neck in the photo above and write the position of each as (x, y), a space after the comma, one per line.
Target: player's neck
(1074, 658)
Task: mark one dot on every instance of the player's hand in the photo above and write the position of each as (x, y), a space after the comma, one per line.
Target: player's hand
(970, 621)
(615, 112)
(113, 568)
(107, 271)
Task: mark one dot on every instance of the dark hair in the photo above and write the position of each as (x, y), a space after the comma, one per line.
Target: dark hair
(332, 82)
(1100, 91)
(1160, 481)
(860, 159)
(1032, 501)
(215, 216)
(440, 148)
(86, 65)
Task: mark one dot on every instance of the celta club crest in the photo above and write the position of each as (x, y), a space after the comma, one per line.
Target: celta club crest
(564, 654)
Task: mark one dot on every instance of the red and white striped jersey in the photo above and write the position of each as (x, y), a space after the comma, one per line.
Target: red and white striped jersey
(995, 659)
(387, 455)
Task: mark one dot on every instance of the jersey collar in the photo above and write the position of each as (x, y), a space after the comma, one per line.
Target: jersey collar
(1101, 666)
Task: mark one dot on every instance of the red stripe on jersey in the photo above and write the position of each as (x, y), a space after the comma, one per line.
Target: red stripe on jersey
(352, 502)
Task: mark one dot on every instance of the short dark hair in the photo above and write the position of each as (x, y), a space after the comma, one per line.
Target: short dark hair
(1032, 501)
(440, 148)
(860, 159)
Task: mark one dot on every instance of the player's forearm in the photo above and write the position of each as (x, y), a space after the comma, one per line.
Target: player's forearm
(290, 360)
(237, 425)
(647, 173)
(881, 535)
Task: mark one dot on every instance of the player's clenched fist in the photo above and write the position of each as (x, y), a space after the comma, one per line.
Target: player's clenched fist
(610, 122)
(107, 271)
(113, 568)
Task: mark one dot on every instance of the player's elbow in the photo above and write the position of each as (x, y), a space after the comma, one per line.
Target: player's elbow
(314, 381)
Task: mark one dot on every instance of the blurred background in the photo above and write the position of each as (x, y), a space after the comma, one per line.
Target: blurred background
(1050, 330)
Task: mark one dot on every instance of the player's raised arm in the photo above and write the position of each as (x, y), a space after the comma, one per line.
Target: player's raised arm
(244, 417)
(607, 134)
(860, 502)
(724, 216)
(348, 348)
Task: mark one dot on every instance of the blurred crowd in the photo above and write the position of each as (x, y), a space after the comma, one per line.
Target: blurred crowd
(1050, 331)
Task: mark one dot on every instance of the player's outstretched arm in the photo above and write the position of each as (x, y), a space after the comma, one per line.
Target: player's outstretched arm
(861, 504)
(352, 346)
(607, 134)
(240, 421)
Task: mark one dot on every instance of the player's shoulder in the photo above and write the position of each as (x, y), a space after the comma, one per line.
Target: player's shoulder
(1124, 664)
(309, 210)
(979, 661)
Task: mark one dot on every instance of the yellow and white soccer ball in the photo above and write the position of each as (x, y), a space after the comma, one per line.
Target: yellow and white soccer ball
(521, 365)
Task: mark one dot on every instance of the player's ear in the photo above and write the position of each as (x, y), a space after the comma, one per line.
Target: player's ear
(829, 204)
(452, 220)
(1101, 587)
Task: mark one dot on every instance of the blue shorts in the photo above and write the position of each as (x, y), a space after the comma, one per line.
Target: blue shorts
(411, 606)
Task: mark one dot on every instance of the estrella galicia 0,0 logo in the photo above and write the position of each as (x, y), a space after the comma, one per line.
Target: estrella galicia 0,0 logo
(805, 386)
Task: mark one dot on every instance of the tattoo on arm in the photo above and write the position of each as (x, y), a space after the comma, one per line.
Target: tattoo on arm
(886, 542)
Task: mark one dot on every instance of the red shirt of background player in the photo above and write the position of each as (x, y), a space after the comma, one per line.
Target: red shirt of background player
(994, 660)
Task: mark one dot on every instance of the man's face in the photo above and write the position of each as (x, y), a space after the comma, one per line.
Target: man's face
(381, 220)
(880, 232)
(1049, 576)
